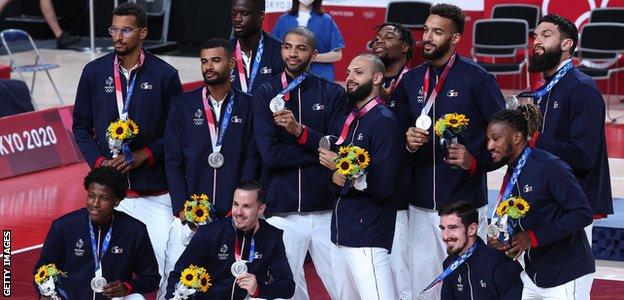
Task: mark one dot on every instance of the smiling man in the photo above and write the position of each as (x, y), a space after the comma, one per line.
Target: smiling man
(123, 253)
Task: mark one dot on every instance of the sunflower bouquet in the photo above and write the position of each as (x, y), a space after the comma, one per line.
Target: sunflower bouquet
(449, 128)
(198, 210)
(45, 279)
(192, 279)
(119, 134)
(352, 162)
(509, 212)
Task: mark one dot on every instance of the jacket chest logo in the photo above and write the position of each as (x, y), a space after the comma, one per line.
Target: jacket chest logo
(483, 283)
(266, 70)
(199, 119)
(452, 94)
(78, 251)
(318, 106)
(117, 250)
(460, 286)
(528, 188)
(108, 85)
(555, 105)
(146, 86)
(360, 136)
(421, 95)
(236, 119)
(223, 255)
(392, 103)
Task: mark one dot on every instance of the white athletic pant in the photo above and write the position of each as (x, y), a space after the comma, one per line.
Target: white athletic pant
(426, 249)
(179, 237)
(305, 232)
(362, 273)
(155, 213)
(399, 257)
(577, 289)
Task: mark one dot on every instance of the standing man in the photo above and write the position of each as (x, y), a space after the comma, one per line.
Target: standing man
(98, 241)
(241, 238)
(209, 144)
(446, 83)
(257, 52)
(393, 44)
(559, 263)
(483, 272)
(364, 216)
(292, 112)
(573, 113)
(130, 83)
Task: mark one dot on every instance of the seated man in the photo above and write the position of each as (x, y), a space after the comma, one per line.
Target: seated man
(485, 273)
(126, 261)
(222, 245)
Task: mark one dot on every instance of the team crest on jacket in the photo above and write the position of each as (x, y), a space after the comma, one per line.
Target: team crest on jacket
(460, 286)
(223, 255)
(199, 119)
(360, 136)
(117, 250)
(109, 87)
(318, 106)
(78, 251)
(146, 86)
(528, 188)
(421, 95)
(483, 283)
(266, 70)
(237, 119)
(556, 105)
(452, 93)
(392, 103)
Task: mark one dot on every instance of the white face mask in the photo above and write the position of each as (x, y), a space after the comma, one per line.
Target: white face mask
(306, 2)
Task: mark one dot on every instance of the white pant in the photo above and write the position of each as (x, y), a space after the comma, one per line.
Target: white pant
(179, 237)
(155, 213)
(577, 289)
(134, 296)
(427, 251)
(399, 257)
(362, 273)
(305, 232)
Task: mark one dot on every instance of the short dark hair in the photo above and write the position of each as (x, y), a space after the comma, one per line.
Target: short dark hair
(464, 210)
(513, 118)
(304, 32)
(132, 9)
(567, 29)
(218, 43)
(259, 5)
(452, 12)
(253, 185)
(405, 36)
(110, 177)
(316, 7)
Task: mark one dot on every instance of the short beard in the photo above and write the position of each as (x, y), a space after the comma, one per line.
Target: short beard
(360, 93)
(548, 60)
(438, 51)
(457, 251)
(300, 68)
(125, 52)
(219, 80)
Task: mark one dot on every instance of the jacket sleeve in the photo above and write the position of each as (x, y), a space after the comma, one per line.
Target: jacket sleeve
(251, 165)
(339, 109)
(507, 280)
(83, 123)
(580, 149)
(146, 276)
(174, 158)
(489, 100)
(53, 251)
(274, 152)
(282, 285)
(567, 193)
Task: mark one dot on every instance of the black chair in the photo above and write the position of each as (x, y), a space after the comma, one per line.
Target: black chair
(602, 38)
(602, 60)
(501, 38)
(527, 12)
(607, 15)
(411, 14)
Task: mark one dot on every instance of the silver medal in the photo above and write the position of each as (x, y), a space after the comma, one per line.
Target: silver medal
(511, 102)
(423, 122)
(216, 159)
(238, 268)
(492, 231)
(277, 103)
(325, 142)
(98, 283)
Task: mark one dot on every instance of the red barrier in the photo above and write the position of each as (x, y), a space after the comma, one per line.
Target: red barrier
(5, 72)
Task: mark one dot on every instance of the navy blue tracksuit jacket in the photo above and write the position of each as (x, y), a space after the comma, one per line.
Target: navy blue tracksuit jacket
(188, 145)
(129, 258)
(96, 107)
(212, 247)
(271, 63)
(468, 90)
(574, 130)
(295, 180)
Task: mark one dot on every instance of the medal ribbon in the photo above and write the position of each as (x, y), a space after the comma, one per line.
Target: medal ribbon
(356, 113)
(437, 87)
(287, 87)
(506, 193)
(97, 256)
(217, 141)
(242, 76)
(124, 105)
(252, 247)
(460, 260)
(546, 88)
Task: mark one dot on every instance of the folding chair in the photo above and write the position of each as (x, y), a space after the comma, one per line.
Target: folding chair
(15, 36)
(158, 8)
(527, 12)
(410, 14)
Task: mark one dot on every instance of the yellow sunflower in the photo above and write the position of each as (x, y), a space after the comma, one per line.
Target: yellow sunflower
(343, 151)
(188, 206)
(203, 197)
(522, 206)
(345, 167)
(204, 282)
(42, 274)
(362, 157)
(195, 197)
(133, 128)
(439, 127)
(200, 213)
(455, 120)
(118, 130)
(502, 208)
(189, 277)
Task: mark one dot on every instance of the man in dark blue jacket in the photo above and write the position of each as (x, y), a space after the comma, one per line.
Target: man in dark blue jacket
(257, 52)
(288, 139)
(484, 273)
(130, 83)
(245, 239)
(559, 263)
(365, 211)
(211, 121)
(100, 241)
(446, 83)
(573, 113)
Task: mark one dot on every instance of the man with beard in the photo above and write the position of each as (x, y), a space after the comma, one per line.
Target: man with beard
(130, 84)
(209, 144)
(364, 213)
(292, 112)
(559, 263)
(257, 52)
(483, 272)
(446, 83)
(574, 112)
(393, 44)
